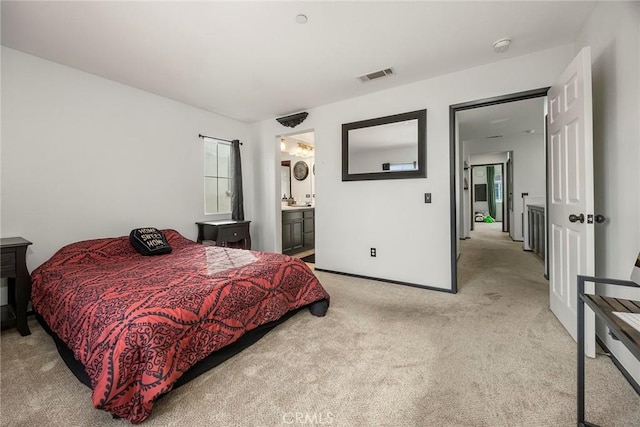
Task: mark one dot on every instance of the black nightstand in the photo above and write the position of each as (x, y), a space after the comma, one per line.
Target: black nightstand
(13, 266)
(229, 233)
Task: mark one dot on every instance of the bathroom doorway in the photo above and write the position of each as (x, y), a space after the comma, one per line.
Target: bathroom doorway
(298, 194)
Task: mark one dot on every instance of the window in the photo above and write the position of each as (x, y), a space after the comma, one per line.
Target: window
(217, 170)
(497, 185)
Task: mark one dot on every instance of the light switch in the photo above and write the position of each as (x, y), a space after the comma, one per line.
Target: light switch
(427, 197)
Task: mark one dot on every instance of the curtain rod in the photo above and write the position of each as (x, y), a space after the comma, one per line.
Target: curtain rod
(213, 137)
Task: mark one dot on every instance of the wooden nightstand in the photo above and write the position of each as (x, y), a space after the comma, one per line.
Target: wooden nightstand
(13, 266)
(229, 233)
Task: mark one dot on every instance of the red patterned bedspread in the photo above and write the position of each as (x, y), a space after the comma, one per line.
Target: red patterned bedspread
(137, 323)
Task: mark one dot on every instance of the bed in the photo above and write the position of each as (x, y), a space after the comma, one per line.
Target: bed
(138, 324)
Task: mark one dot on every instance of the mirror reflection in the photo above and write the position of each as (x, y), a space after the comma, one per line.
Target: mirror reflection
(285, 179)
(385, 148)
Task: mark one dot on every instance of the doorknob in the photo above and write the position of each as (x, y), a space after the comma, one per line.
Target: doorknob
(576, 218)
(600, 218)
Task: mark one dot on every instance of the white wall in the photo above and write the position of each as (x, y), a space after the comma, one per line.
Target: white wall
(84, 157)
(476, 180)
(412, 238)
(528, 168)
(488, 158)
(613, 33)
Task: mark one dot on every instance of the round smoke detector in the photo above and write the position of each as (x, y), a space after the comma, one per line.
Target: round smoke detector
(501, 45)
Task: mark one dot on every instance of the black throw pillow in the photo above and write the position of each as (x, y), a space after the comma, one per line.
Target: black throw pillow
(149, 241)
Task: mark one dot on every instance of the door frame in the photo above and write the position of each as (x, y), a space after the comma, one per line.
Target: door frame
(277, 225)
(509, 196)
(472, 191)
(453, 150)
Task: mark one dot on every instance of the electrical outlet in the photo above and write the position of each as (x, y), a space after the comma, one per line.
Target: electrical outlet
(373, 252)
(427, 197)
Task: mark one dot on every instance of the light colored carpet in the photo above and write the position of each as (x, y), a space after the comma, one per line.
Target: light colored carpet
(385, 355)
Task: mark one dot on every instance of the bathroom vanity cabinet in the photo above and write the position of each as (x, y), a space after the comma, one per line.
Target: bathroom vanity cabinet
(298, 230)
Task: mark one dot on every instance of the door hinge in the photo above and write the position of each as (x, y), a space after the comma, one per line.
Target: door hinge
(590, 219)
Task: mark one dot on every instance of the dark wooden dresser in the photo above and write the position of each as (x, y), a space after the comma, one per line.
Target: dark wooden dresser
(13, 266)
(226, 233)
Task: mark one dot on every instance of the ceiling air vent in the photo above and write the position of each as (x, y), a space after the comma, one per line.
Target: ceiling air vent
(376, 75)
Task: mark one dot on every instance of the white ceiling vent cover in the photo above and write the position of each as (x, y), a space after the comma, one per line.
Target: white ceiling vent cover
(376, 75)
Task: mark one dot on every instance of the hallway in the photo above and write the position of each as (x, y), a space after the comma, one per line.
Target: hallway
(491, 255)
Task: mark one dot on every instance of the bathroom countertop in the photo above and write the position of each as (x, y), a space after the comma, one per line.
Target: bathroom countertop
(292, 208)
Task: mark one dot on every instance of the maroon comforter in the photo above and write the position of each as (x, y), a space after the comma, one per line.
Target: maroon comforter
(138, 323)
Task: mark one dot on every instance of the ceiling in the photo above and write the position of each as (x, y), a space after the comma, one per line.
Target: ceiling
(290, 142)
(251, 61)
(502, 120)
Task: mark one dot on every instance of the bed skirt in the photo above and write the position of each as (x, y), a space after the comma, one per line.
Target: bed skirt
(318, 308)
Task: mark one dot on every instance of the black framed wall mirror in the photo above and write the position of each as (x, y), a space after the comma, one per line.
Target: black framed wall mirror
(390, 147)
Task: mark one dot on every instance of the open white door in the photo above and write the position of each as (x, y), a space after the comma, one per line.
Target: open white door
(570, 210)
